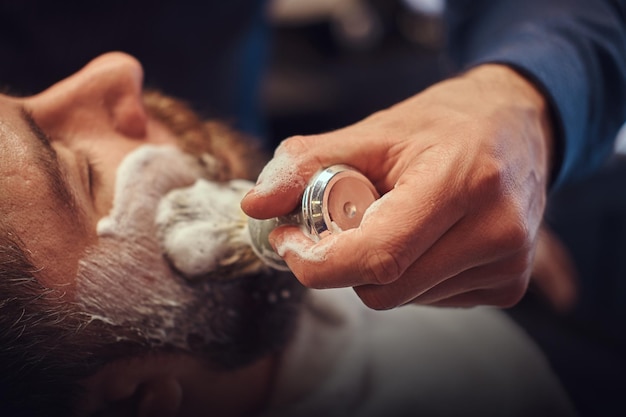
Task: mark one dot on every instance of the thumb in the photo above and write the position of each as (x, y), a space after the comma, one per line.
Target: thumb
(282, 181)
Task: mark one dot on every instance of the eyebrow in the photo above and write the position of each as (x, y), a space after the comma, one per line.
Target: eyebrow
(49, 162)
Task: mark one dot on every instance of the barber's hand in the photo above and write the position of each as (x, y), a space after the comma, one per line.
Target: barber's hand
(462, 169)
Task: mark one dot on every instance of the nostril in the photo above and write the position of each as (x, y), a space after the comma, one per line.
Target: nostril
(121, 80)
(129, 116)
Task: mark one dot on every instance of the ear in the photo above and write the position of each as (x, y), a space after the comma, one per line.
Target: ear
(159, 397)
(127, 390)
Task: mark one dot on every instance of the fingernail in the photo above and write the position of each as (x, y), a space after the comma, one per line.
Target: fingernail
(272, 241)
(250, 192)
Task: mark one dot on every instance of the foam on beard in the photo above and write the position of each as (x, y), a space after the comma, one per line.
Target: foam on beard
(126, 282)
(204, 232)
(143, 177)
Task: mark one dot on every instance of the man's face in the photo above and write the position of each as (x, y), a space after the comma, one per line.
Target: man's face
(60, 152)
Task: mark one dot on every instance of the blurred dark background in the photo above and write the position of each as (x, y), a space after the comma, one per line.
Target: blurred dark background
(333, 66)
(321, 65)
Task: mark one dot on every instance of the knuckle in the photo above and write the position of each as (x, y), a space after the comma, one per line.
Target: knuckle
(511, 227)
(375, 298)
(310, 276)
(493, 177)
(515, 284)
(307, 278)
(512, 293)
(294, 145)
(517, 235)
(520, 265)
(513, 235)
(380, 266)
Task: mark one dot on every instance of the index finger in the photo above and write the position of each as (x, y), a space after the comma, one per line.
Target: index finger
(282, 181)
(279, 186)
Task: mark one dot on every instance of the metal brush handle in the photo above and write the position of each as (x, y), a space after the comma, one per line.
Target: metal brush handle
(334, 200)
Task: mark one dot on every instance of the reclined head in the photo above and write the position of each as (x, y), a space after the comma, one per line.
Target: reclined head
(93, 315)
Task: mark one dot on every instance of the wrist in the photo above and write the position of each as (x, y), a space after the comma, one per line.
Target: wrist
(508, 88)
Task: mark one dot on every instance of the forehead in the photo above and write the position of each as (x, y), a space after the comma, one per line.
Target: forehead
(13, 147)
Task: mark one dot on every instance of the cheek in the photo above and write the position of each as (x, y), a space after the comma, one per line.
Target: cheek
(128, 254)
(123, 284)
(58, 259)
(54, 239)
(123, 272)
(105, 161)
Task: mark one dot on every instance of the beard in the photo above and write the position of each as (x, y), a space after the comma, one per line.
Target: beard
(126, 286)
(240, 156)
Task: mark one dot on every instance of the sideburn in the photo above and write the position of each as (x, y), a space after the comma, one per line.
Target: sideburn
(241, 155)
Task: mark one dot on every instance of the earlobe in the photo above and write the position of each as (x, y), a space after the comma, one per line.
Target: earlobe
(159, 397)
(137, 388)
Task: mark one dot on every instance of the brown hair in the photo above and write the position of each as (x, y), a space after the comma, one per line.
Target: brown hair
(241, 156)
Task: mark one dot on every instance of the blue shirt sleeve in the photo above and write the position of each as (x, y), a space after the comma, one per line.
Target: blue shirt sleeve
(573, 50)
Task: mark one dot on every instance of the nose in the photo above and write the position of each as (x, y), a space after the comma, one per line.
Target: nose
(105, 94)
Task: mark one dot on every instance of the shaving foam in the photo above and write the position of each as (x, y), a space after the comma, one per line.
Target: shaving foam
(202, 228)
(204, 233)
(279, 173)
(125, 280)
(126, 286)
(305, 249)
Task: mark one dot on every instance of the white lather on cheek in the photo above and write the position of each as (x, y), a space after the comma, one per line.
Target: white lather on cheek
(143, 177)
(125, 279)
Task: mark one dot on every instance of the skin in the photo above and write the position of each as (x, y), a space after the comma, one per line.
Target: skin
(96, 117)
(463, 169)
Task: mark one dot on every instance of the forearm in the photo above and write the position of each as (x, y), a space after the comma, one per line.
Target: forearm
(574, 51)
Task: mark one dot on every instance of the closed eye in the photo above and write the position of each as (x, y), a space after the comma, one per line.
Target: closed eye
(47, 160)
(38, 132)
(93, 176)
